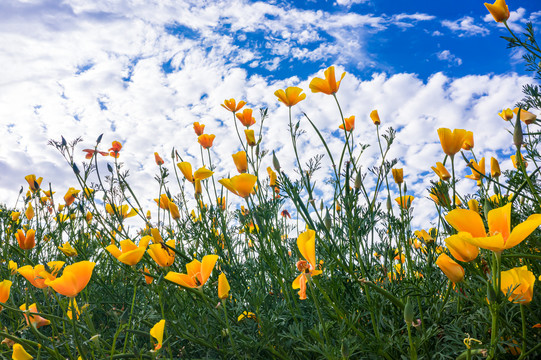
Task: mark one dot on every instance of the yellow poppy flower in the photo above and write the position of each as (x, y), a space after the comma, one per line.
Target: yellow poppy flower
(157, 333)
(291, 96)
(35, 320)
(518, 284)
(306, 242)
(232, 105)
(197, 272)
(450, 268)
(500, 236)
(19, 353)
(162, 254)
(329, 85)
(223, 287)
(129, 253)
(441, 171)
(240, 161)
(74, 278)
(451, 141)
(499, 10)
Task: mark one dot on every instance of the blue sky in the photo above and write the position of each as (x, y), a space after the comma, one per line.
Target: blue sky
(142, 72)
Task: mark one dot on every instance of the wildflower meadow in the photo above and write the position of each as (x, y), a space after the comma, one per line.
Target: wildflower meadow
(261, 267)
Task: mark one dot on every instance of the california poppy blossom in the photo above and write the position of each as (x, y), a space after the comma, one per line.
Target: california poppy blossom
(241, 185)
(26, 241)
(90, 153)
(71, 195)
(223, 287)
(478, 169)
(206, 140)
(506, 114)
(19, 353)
(500, 236)
(329, 85)
(450, 268)
(404, 201)
(33, 182)
(518, 284)
(246, 118)
(115, 149)
(451, 141)
(291, 96)
(468, 141)
(158, 159)
(499, 10)
(350, 123)
(5, 287)
(197, 272)
(232, 106)
(162, 254)
(198, 128)
(306, 242)
(122, 210)
(129, 253)
(441, 171)
(68, 250)
(37, 275)
(375, 117)
(240, 161)
(35, 320)
(250, 137)
(157, 333)
(74, 278)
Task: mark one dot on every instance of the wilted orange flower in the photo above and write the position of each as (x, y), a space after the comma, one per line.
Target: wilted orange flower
(157, 333)
(499, 10)
(350, 123)
(291, 96)
(250, 137)
(477, 169)
(74, 278)
(206, 140)
(158, 159)
(115, 149)
(37, 275)
(26, 241)
(405, 201)
(506, 114)
(90, 153)
(468, 141)
(451, 141)
(232, 106)
(71, 195)
(33, 183)
(246, 117)
(35, 320)
(306, 242)
(198, 128)
(285, 213)
(197, 272)
(329, 85)
(441, 171)
(525, 116)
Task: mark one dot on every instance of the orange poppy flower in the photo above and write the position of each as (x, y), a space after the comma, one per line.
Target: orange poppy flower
(232, 106)
(405, 201)
(329, 85)
(74, 278)
(35, 320)
(441, 171)
(250, 137)
(350, 123)
(246, 117)
(129, 253)
(197, 272)
(223, 287)
(157, 333)
(90, 153)
(499, 10)
(71, 195)
(5, 287)
(26, 241)
(37, 275)
(206, 140)
(477, 169)
(114, 150)
(241, 185)
(121, 210)
(375, 117)
(198, 128)
(162, 254)
(33, 183)
(291, 96)
(451, 141)
(158, 159)
(306, 242)
(450, 268)
(240, 161)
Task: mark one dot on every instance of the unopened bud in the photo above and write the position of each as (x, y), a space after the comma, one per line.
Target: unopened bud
(517, 134)
(389, 204)
(408, 312)
(327, 220)
(358, 180)
(75, 169)
(321, 206)
(110, 168)
(405, 188)
(99, 139)
(275, 162)
(64, 143)
(344, 350)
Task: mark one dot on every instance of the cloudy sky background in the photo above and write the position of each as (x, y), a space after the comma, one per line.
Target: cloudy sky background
(141, 72)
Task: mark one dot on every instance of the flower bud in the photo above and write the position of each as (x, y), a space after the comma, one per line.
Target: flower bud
(408, 312)
(358, 180)
(517, 134)
(327, 220)
(389, 204)
(275, 162)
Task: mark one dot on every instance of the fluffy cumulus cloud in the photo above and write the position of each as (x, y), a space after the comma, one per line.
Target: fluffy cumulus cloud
(445, 55)
(466, 27)
(143, 72)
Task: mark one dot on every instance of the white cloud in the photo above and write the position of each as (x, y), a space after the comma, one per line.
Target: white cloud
(465, 26)
(445, 55)
(100, 71)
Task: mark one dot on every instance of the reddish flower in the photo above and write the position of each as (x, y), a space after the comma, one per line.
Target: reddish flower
(285, 213)
(159, 160)
(115, 149)
(90, 153)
